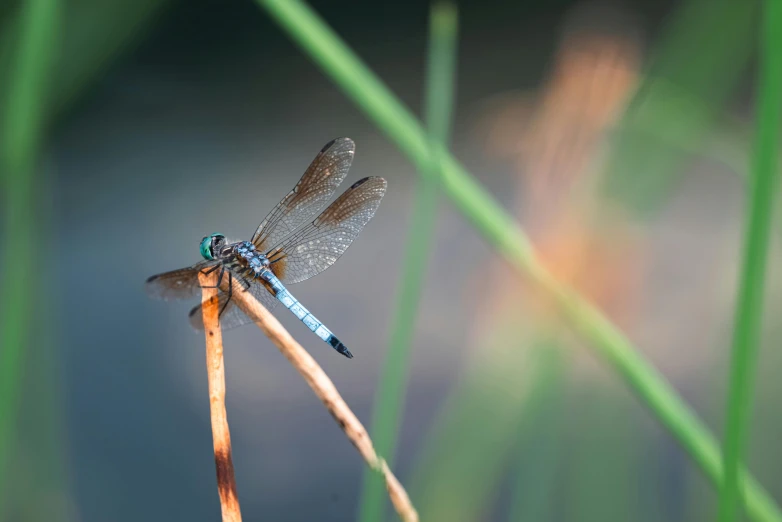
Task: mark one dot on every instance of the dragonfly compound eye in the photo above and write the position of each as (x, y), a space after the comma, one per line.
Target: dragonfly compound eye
(206, 248)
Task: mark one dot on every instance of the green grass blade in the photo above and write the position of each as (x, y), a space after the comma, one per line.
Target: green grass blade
(749, 305)
(500, 229)
(20, 142)
(389, 402)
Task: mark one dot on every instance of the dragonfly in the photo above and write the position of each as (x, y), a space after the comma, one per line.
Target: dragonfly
(289, 246)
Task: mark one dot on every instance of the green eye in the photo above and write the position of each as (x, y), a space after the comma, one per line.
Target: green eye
(206, 248)
(207, 243)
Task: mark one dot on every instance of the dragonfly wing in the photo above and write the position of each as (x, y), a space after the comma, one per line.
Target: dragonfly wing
(310, 194)
(232, 316)
(177, 284)
(317, 246)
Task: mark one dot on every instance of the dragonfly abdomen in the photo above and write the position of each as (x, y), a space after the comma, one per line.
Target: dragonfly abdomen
(291, 303)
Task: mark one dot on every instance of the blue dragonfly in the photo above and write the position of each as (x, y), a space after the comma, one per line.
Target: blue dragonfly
(288, 247)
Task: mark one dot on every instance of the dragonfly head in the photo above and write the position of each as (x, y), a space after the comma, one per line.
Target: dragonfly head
(210, 245)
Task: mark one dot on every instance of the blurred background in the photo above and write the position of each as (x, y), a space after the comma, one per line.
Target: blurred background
(618, 134)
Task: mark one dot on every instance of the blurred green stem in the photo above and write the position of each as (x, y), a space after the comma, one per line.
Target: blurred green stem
(488, 415)
(389, 402)
(91, 35)
(19, 147)
(501, 230)
(542, 444)
(749, 305)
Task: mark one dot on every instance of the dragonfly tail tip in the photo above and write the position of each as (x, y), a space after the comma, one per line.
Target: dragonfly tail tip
(340, 347)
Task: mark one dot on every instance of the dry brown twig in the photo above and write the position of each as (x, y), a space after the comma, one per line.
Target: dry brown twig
(215, 369)
(317, 379)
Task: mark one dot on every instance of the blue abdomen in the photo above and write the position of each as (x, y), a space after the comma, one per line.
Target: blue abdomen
(291, 303)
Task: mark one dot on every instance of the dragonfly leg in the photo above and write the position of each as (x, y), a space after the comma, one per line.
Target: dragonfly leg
(207, 272)
(245, 282)
(219, 276)
(230, 293)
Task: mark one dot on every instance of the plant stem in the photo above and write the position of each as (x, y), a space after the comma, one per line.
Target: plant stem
(20, 143)
(215, 374)
(389, 402)
(324, 389)
(500, 229)
(749, 305)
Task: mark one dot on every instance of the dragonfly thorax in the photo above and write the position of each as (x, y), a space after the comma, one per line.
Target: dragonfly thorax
(243, 256)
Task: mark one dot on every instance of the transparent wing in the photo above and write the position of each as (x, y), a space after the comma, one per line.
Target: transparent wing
(310, 194)
(232, 316)
(177, 284)
(317, 246)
